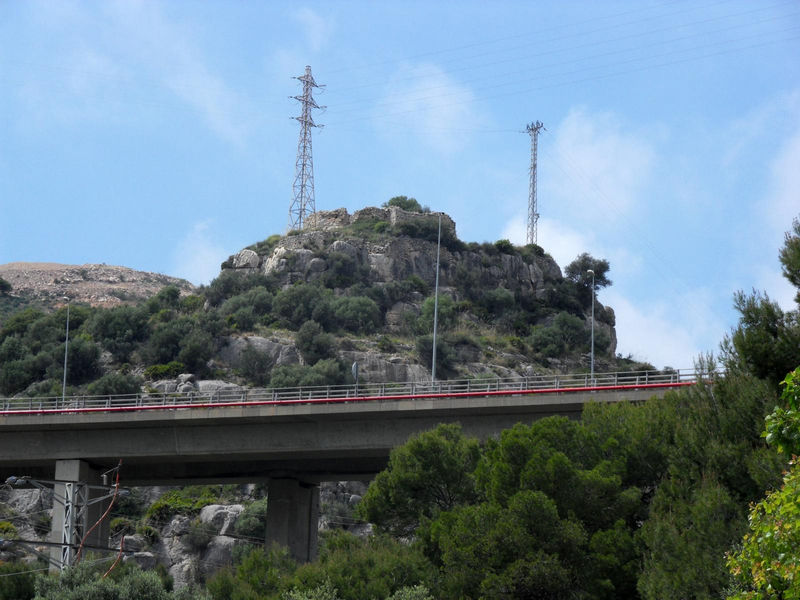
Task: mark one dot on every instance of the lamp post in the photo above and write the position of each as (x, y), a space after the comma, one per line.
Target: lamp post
(66, 347)
(436, 304)
(592, 355)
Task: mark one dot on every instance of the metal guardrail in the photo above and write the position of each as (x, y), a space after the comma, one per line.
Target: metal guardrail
(362, 392)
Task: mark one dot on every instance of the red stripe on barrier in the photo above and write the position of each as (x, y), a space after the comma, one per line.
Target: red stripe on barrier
(433, 396)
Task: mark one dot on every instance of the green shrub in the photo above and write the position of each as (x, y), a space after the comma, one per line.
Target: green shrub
(356, 314)
(546, 341)
(497, 301)
(231, 283)
(252, 522)
(119, 330)
(149, 533)
(447, 316)
(165, 340)
(191, 303)
(328, 371)
(256, 366)
(185, 501)
(115, 384)
(504, 247)
(8, 531)
(445, 355)
(12, 348)
(243, 319)
(303, 302)
(266, 246)
(343, 271)
(385, 344)
(167, 298)
(122, 526)
(406, 203)
(380, 227)
(17, 580)
(167, 371)
(313, 343)
(199, 535)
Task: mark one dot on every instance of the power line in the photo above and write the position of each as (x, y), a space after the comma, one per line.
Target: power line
(568, 82)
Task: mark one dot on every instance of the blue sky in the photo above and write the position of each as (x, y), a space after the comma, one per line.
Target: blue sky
(158, 135)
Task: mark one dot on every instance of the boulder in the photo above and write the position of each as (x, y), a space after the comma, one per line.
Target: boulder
(217, 385)
(246, 259)
(221, 517)
(218, 554)
(145, 560)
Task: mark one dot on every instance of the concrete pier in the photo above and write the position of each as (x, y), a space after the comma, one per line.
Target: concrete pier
(292, 516)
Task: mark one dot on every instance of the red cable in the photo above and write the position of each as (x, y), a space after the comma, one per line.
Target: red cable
(119, 556)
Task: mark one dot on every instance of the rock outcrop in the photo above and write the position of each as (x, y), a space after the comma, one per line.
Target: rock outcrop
(301, 257)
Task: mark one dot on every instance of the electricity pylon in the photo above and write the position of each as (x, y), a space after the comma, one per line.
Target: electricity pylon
(303, 204)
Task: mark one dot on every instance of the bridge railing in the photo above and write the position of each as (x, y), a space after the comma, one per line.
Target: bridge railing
(362, 391)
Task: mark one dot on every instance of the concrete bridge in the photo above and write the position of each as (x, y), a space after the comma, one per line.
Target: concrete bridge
(291, 438)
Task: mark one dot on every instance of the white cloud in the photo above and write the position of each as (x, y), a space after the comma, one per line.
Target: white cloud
(169, 52)
(317, 29)
(197, 257)
(666, 335)
(425, 101)
(128, 53)
(596, 167)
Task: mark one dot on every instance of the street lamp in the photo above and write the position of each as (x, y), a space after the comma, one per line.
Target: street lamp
(592, 355)
(66, 347)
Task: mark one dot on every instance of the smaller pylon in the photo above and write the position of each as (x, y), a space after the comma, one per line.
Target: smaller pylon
(533, 210)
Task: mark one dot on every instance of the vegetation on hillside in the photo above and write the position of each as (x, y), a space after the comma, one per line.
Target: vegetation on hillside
(116, 350)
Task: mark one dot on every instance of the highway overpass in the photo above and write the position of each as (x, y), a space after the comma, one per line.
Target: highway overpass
(292, 438)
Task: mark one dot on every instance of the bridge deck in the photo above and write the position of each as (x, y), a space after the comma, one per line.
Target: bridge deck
(312, 438)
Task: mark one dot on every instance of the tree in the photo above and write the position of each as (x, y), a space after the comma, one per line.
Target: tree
(577, 272)
(313, 343)
(766, 341)
(357, 314)
(406, 203)
(768, 564)
(5, 287)
(790, 256)
(115, 384)
(430, 473)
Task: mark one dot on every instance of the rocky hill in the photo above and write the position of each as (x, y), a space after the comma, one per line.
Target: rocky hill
(95, 285)
(291, 310)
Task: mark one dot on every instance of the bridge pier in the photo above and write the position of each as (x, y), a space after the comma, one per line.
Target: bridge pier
(292, 517)
(78, 502)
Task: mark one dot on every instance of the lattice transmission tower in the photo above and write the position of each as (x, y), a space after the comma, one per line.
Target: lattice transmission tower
(303, 204)
(533, 210)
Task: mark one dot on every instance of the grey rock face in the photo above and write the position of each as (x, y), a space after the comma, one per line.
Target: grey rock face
(375, 367)
(280, 353)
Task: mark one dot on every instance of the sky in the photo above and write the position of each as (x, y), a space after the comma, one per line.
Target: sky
(160, 136)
